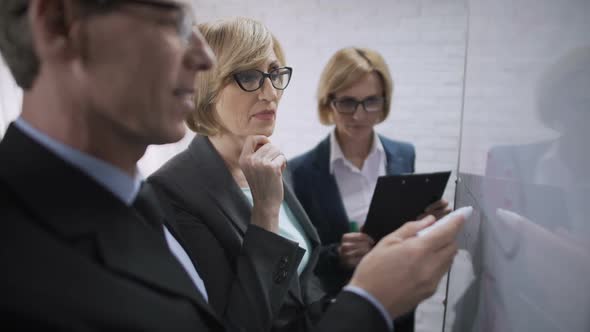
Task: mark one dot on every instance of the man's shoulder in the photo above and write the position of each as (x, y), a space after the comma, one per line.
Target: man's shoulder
(14, 220)
(351, 312)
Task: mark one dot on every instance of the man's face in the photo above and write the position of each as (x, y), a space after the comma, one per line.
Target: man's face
(138, 72)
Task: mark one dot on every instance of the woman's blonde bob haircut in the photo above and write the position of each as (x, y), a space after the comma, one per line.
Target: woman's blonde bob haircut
(239, 44)
(345, 68)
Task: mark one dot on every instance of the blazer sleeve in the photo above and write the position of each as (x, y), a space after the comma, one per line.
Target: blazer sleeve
(264, 271)
(257, 279)
(330, 271)
(351, 313)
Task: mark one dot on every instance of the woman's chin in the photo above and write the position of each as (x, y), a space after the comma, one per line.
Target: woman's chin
(265, 131)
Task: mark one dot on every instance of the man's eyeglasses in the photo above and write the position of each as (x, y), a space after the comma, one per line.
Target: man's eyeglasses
(186, 20)
(253, 79)
(349, 105)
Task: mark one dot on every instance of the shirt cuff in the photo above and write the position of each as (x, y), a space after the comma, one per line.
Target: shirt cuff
(364, 294)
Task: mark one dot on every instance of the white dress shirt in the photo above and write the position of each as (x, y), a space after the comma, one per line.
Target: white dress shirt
(356, 188)
(357, 185)
(123, 186)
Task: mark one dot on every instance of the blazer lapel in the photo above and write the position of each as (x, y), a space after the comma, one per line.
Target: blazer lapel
(220, 184)
(327, 188)
(138, 252)
(301, 216)
(305, 292)
(395, 160)
(71, 205)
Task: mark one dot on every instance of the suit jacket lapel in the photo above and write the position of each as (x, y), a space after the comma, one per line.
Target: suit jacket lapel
(215, 178)
(140, 253)
(327, 188)
(82, 209)
(394, 159)
(301, 216)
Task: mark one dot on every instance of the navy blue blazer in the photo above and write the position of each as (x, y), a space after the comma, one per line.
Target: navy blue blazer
(319, 195)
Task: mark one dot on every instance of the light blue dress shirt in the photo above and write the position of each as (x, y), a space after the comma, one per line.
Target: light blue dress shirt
(123, 186)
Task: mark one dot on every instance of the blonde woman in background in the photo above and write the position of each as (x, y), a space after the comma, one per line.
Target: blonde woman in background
(335, 180)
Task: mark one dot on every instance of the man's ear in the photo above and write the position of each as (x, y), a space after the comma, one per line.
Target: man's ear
(53, 25)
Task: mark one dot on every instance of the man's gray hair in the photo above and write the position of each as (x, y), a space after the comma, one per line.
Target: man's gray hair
(16, 44)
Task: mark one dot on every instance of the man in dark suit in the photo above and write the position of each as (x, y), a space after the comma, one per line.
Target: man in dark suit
(74, 254)
(102, 80)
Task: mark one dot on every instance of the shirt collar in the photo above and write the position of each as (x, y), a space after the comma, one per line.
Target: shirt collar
(336, 153)
(112, 178)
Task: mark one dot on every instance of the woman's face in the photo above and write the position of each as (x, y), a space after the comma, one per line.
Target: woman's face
(245, 113)
(359, 125)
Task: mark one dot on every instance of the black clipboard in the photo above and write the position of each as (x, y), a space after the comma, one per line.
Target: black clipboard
(401, 198)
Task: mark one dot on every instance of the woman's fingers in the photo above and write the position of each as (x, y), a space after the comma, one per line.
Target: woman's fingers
(253, 143)
(438, 209)
(357, 237)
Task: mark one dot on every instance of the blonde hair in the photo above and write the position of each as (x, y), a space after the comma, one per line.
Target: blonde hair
(344, 69)
(238, 43)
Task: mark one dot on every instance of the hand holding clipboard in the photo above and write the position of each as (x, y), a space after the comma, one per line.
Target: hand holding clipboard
(401, 198)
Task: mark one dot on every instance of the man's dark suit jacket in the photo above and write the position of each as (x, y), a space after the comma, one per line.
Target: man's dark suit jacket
(319, 195)
(213, 216)
(76, 258)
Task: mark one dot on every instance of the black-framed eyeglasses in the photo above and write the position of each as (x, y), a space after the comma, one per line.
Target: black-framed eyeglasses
(252, 79)
(349, 105)
(184, 24)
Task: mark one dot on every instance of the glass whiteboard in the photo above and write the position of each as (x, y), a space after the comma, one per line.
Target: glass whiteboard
(524, 165)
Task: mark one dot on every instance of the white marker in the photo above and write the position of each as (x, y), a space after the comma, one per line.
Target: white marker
(465, 211)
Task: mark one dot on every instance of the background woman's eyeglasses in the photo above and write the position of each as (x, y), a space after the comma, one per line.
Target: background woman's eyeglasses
(349, 105)
(253, 79)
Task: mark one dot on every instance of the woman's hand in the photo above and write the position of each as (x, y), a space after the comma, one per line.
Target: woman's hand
(438, 209)
(263, 165)
(353, 247)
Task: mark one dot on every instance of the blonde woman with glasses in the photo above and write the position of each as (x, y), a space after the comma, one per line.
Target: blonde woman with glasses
(335, 180)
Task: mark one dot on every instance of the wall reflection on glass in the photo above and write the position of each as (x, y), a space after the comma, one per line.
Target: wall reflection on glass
(527, 249)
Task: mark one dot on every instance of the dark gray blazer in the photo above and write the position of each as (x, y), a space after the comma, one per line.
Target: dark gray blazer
(249, 268)
(250, 273)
